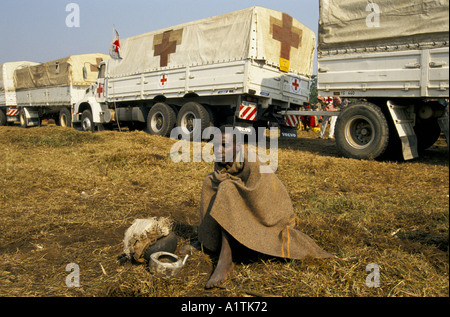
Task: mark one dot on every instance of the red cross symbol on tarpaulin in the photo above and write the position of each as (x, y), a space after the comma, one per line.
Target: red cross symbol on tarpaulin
(163, 80)
(284, 32)
(295, 85)
(99, 90)
(165, 44)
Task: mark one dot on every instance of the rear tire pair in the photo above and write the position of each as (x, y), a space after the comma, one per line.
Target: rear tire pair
(162, 118)
(363, 132)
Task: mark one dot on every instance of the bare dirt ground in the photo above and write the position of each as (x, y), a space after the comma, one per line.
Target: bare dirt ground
(68, 197)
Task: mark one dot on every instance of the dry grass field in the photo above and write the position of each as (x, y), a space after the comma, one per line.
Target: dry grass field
(68, 197)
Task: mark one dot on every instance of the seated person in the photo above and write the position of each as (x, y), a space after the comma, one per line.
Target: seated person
(239, 203)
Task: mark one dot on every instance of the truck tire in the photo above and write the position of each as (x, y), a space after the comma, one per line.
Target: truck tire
(161, 119)
(362, 131)
(427, 132)
(186, 116)
(64, 118)
(427, 127)
(87, 123)
(2, 118)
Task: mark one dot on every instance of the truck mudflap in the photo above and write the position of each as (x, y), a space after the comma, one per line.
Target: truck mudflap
(29, 117)
(288, 129)
(245, 129)
(404, 125)
(291, 121)
(288, 132)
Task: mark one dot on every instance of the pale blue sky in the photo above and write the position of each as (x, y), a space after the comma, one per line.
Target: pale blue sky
(35, 30)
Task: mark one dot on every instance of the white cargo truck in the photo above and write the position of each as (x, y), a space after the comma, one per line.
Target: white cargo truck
(242, 68)
(49, 90)
(8, 105)
(392, 57)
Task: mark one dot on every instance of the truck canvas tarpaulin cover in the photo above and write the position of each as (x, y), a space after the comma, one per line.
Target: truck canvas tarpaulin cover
(354, 23)
(62, 72)
(7, 74)
(254, 33)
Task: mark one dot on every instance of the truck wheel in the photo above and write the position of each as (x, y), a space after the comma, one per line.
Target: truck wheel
(161, 119)
(87, 123)
(23, 119)
(362, 131)
(427, 132)
(186, 116)
(2, 118)
(64, 118)
(427, 127)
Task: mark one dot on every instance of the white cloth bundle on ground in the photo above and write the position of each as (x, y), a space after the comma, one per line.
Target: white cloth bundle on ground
(143, 233)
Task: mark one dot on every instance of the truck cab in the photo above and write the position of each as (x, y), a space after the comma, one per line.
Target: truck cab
(100, 89)
(91, 112)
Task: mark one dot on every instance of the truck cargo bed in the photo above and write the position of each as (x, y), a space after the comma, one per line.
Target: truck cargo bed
(7, 88)
(50, 96)
(222, 79)
(407, 73)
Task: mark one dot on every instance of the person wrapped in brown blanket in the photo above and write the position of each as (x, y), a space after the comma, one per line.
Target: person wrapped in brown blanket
(253, 208)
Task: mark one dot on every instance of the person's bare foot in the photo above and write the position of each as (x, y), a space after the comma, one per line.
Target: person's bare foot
(224, 265)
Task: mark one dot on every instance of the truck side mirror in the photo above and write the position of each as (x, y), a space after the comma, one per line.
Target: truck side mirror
(84, 72)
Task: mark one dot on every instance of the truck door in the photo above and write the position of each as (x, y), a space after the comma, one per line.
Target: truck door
(100, 89)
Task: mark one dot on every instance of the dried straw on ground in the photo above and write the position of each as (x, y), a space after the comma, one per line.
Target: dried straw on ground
(394, 214)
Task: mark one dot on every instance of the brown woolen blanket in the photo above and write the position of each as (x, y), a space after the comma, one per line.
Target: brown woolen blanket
(254, 208)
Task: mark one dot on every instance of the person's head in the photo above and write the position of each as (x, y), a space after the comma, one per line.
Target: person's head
(228, 148)
(321, 99)
(336, 101)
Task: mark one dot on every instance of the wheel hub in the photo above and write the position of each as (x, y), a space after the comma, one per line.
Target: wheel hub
(87, 125)
(188, 122)
(358, 132)
(157, 121)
